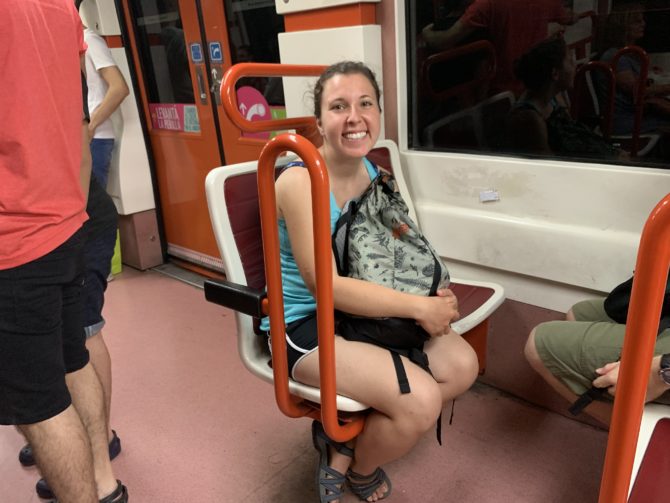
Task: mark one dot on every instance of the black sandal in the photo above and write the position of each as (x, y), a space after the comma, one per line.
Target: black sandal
(330, 482)
(365, 486)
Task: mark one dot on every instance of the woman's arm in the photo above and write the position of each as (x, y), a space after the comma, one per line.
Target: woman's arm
(351, 295)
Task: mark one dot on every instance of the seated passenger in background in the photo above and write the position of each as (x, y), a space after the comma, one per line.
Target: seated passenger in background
(625, 26)
(584, 351)
(537, 123)
(511, 25)
(346, 105)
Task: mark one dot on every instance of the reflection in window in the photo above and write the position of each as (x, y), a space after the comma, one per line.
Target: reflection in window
(540, 78)
(252, 30)
(162, 48)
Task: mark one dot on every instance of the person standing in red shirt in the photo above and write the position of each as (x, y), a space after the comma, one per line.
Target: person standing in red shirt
(48, 388)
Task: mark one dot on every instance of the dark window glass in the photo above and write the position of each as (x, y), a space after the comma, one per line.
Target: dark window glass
(162, 48)
(253, 26)
(540, 78)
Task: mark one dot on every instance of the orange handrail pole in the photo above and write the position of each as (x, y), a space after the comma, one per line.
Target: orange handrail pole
(229, 97)
(639, 92)
(320, 191)
(644, 313)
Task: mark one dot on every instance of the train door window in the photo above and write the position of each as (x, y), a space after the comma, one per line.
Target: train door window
(540, 78)
(253, 26)
(163, 52)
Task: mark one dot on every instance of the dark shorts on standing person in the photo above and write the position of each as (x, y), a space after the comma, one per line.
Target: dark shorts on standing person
(100, 232)
(41, 333)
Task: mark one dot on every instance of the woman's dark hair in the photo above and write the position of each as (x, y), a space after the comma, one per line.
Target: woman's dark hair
(534, 68)
(343, 68)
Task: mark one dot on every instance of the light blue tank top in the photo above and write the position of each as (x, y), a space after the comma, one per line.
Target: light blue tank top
(298, 301)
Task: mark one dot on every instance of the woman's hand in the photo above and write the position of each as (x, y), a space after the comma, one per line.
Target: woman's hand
(436, 313)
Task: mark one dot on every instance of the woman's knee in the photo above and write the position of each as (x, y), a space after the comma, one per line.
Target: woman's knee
(421, 407)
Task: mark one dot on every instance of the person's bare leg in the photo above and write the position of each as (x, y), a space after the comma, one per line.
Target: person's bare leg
(87, 398)
(453, 363)
(602, 411)
(102, 363)
(63, 454)
(366, 373)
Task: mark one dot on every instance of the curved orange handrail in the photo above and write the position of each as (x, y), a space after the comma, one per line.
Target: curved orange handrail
(638, 97)
(644, 313)
(229, 97)
(324, 281)
(606, 104)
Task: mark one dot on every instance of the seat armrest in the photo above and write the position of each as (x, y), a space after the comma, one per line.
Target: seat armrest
(236, 297)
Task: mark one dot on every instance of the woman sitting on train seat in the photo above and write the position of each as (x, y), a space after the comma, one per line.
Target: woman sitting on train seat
(624, 27)
(584, 351)
(537, 123)
(347, 108)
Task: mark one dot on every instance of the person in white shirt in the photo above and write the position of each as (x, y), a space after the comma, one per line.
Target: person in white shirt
(106, 90)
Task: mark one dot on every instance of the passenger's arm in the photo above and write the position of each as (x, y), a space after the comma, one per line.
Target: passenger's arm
(86, 160)
(351, 295)
(609, 375)
(117, 91)
(446, 39)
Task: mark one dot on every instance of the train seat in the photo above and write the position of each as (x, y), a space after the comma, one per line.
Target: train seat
(594, 106)
(652, 459)
(232, 197)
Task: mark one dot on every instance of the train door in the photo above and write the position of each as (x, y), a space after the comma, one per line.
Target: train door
(181, 48)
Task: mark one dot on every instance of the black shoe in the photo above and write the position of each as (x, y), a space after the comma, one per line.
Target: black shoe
(26, 457)
(119, 495)
(43, 489)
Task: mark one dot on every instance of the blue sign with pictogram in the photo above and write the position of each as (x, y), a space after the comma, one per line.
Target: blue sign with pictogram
(196, 53)
(215, 52)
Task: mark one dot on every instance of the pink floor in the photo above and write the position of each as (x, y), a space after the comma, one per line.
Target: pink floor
(196, 427)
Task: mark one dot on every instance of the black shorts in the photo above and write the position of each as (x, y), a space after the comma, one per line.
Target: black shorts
(301, 339)
(41, 333)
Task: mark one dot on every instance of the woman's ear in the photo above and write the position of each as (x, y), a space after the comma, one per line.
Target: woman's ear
(318, 126)
(555, 74)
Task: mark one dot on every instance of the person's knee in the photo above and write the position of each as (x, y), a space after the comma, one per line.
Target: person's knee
(467, 366)
(422, 407)
(530, 351)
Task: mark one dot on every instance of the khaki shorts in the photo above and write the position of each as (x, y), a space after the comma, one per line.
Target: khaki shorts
(572, 350)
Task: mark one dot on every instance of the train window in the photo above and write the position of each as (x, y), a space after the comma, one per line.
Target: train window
(252, 30)
(162, 48)
(541, 78)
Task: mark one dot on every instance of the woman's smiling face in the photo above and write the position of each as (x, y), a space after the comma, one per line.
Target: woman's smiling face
(350, 115)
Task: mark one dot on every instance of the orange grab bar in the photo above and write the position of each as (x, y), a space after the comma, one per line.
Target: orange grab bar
(639, 92)
(644, 313)
(606, 104)
(229, 97)
(324, 282)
